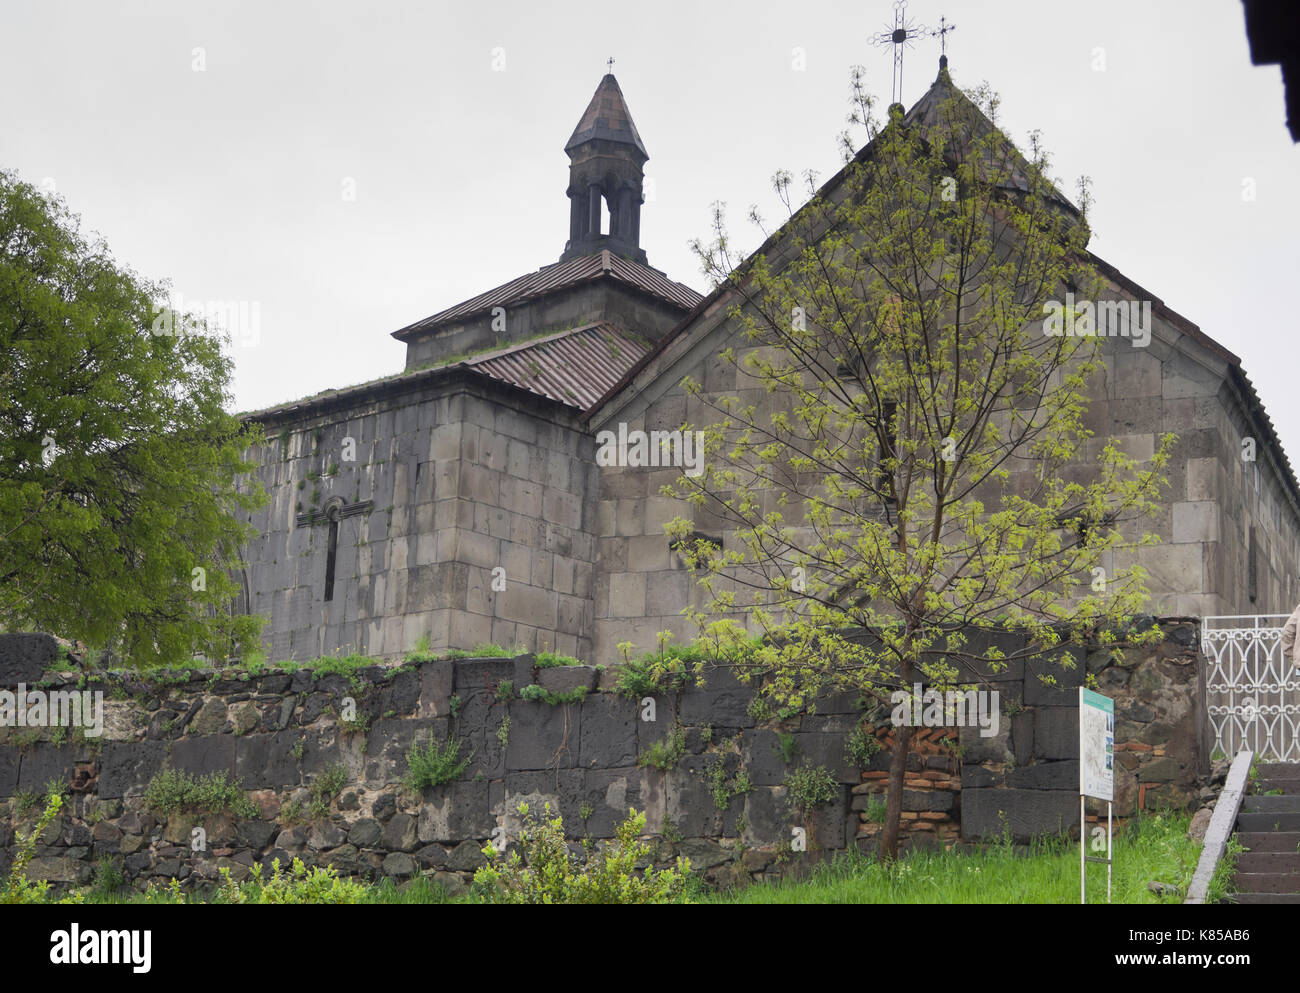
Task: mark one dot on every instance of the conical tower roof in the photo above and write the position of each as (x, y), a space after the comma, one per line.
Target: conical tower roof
(607, 118)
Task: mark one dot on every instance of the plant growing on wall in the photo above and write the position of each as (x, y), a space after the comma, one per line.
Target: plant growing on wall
(665, 753)
(860, 747)
(434, 763)
(810, 786)
(18, 888)
(174, 790)
(916, 473)
(542, 870)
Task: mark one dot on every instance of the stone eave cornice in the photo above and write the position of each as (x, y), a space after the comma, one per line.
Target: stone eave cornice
(411, 387)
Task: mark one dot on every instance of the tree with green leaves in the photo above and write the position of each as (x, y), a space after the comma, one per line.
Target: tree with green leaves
(904, 463)
(121, 506)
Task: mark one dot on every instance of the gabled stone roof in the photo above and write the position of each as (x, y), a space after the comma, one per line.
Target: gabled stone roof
(925, 110)
(927, 113)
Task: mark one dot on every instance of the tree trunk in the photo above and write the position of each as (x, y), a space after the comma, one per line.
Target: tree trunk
(894, 796)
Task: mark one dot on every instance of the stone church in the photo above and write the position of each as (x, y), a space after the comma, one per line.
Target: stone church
(460, 500)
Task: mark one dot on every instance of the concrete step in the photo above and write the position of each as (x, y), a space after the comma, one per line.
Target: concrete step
(1286, 770)
(1289, 804)
(1272, 862)
(1266, 784)
(1268, 820)
(1266, 882)
(1264, 898)
(1270, 841)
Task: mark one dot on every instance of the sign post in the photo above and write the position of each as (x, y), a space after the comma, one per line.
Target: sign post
(1096, 775)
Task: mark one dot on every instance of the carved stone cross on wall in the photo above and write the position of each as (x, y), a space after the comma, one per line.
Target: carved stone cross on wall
(333, 512)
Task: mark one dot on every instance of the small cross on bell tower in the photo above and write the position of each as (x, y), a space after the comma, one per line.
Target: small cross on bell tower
(942, 32)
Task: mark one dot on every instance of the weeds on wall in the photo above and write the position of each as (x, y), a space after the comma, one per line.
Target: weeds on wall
(540, 695)
(665, 753)
(724, 789)
(861, 747)
(543, 870)
(809, 786)
(325, 788)
(174, 790)
(434, 764)
(18, 888)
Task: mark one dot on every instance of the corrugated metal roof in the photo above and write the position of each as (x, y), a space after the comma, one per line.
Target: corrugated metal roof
(598, 265)
(574, 367)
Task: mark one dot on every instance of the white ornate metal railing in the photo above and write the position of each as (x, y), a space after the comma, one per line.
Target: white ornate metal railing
(1252, 692)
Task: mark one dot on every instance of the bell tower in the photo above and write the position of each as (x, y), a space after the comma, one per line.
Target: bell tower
(606, 162)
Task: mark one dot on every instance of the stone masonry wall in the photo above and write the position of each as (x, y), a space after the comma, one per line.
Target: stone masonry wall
(453, 483)
(1215, 506)
(280, 732)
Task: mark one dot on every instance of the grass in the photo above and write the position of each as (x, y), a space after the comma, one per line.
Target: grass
(485, 650)
(550, 660)
(421, 890)
(330, 665)
(1154, 847)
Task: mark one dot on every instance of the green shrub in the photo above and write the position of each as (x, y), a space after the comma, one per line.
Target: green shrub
(343, 665)
(164, 893)
(675, 666)
(810, 786)
(18, 889)
(505, 691)
(254, 662)
(649, 675)
(549, 660)
(298, 885)
(355, 725)
(860, 748)
(434, 764)
(325, 788)
(667, 752)
(722, 788)
(537, 694)
(547, 872)
(174, 789)
(25, 801)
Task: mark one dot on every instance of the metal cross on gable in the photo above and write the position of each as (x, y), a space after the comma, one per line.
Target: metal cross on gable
(610, 64)
(943, 30)
(901, 35)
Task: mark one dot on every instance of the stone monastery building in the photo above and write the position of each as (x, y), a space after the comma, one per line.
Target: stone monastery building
(399, 508)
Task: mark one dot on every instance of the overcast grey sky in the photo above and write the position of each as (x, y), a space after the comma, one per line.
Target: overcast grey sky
(450, 120)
